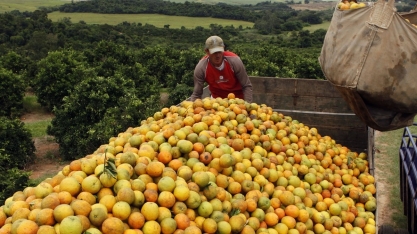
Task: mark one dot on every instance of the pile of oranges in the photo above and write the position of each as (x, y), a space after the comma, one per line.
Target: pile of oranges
(347, 5)
(209, 166)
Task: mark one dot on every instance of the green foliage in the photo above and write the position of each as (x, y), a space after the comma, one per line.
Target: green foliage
(16, 141)
(178, 94)
(95, 110)
(194, 9)
(11, 178)
(14, 62)
(272, 61)
(57, 74)
(12, 90)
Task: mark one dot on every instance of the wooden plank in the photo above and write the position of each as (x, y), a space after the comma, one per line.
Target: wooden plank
(346, 130)
(345, 121)
(298, 94)
(306, 87)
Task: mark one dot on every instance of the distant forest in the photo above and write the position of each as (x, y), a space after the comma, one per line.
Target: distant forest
(268, 18)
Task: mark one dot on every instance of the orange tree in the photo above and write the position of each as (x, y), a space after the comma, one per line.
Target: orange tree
(95, 110)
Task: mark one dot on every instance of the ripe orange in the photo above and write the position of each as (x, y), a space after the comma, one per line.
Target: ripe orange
(108, 201)
(80, 207)
(151, 227)
(21, 213)
(121, 210)
(166, 199)
(62, 211)
(150, 211)
(168, 225)
(88, 197)
(71, 185)
(136, 220)
(112, 225)
(182, 221)
(155, 168)
(97, 215)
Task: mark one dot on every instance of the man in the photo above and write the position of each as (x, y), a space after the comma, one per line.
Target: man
(223, 71)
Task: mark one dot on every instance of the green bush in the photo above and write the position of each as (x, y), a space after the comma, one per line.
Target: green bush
(11, 179)
(57, 75)
(178, 94)
(12, 91)
(97, 109)
(16, 141)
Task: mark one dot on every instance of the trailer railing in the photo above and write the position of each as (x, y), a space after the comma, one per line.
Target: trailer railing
(408, 175)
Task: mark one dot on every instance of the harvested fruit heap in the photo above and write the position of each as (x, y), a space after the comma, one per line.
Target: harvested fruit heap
(352, 4)
(209, 166)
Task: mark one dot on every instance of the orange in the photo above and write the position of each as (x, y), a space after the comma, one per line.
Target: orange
(26, 226)
(71, 185)
(151, 195)
(155, 168)
(166, 199)
(163, 213)
(112, 225)
(126, 194)
(46, 229)
(45, 217)
(91, 184)
(181, 193)
(209, 225)
(121, 210)
(271, 219)
(151, 227)
(108, 201)
(85, 222)
(97, 215)
(88, 197)
(168, 225)
(150, 211)
(288, 221)
(50, 201)
(292, 210)
(136, 220)
(182, 221)
(175, 164)
(75, 165)
(237, 223)
(164, 157)
(80, 207)
(62, 211)
(21, 213)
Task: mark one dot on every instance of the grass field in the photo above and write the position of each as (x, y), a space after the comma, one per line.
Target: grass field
(237, 2)
(314, 27)
(153, 19)
(32, 5)
(28, 5)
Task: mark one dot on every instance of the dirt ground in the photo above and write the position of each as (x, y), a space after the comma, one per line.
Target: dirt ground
(47, 150)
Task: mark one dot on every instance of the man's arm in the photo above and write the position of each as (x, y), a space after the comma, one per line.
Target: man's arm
(199, 79)
(242, 76)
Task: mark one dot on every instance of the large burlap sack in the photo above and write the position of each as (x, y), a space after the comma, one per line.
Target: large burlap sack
(370, 55)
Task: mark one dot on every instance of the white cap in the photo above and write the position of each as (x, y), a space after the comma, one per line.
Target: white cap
(214, 44)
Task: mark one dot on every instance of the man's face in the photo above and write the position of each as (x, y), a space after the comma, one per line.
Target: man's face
(216, 58)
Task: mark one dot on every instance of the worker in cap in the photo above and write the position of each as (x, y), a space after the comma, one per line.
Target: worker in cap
(223, 71)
